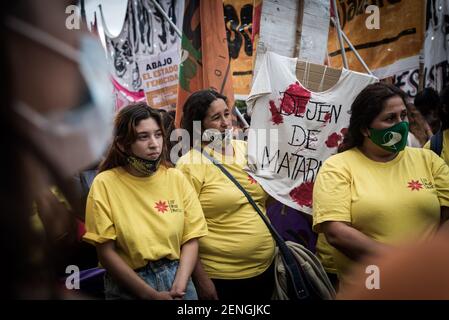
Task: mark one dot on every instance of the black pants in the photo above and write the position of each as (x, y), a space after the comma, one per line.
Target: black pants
(259, 288)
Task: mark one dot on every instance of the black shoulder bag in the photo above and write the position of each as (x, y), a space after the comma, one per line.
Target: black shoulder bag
(297, 288)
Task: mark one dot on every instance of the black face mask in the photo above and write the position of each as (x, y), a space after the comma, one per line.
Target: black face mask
(146, 167)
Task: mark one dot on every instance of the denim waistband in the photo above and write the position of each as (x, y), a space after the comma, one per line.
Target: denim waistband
(158, 265)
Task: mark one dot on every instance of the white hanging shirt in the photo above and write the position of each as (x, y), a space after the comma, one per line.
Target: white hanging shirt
(293, 130)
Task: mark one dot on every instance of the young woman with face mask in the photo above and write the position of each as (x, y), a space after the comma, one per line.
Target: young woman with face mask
(143, 216)
(377, 192)
(236, 256)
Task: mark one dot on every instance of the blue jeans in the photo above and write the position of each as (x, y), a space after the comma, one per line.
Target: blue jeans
(158, 274)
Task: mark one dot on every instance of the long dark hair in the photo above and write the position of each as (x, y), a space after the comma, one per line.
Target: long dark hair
(365, 108)
(428, 102)
(125, 135)
(195, 109)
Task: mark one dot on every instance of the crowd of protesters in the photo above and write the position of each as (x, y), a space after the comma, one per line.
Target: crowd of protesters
(164, 228)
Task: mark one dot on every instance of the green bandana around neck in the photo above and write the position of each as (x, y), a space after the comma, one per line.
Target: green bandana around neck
(146, 167)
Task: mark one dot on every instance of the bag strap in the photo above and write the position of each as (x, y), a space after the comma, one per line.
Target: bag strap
(292, 270)
(436, 142)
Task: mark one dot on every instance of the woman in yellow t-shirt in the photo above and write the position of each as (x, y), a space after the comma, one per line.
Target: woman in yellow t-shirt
(237, 254)
(377, 193)
(143, 216)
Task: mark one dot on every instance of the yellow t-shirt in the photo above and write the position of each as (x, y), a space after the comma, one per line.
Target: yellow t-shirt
(148, 217)
(390, 202)
(239, 244)
(324, 254)
(445, 150)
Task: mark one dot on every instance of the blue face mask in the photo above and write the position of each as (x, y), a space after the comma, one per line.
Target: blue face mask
(78, 137)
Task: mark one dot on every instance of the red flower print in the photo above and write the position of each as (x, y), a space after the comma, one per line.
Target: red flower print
(333, 140)
(276, 117)
(414, 185)
(161, 206)
(295, 99)
(327, 117)
(344, 131)
(302, 194)
(252, 180)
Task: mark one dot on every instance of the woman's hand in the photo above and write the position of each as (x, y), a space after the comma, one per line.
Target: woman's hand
(178, 292)
(125, 276)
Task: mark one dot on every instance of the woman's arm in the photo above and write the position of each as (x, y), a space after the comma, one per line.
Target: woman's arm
(203, 284)
(189, 256)
(126, 276)
(351, 242)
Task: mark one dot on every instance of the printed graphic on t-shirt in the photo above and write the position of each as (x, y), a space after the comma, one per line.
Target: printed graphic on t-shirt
(163, 206)
(414, 185)
(419, 184)
(427, 184)
(174, 208)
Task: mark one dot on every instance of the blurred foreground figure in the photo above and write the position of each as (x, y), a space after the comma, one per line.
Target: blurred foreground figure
(410, 273)
(56, 119)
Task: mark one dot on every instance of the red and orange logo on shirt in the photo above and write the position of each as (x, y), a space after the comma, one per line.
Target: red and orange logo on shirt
(419, 184)
(163, 206)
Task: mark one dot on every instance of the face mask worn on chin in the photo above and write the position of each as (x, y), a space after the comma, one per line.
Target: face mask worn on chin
(393, 139)
(144, 166)
(76, 138)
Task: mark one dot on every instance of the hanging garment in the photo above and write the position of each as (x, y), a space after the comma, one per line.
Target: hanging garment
(293, 129)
